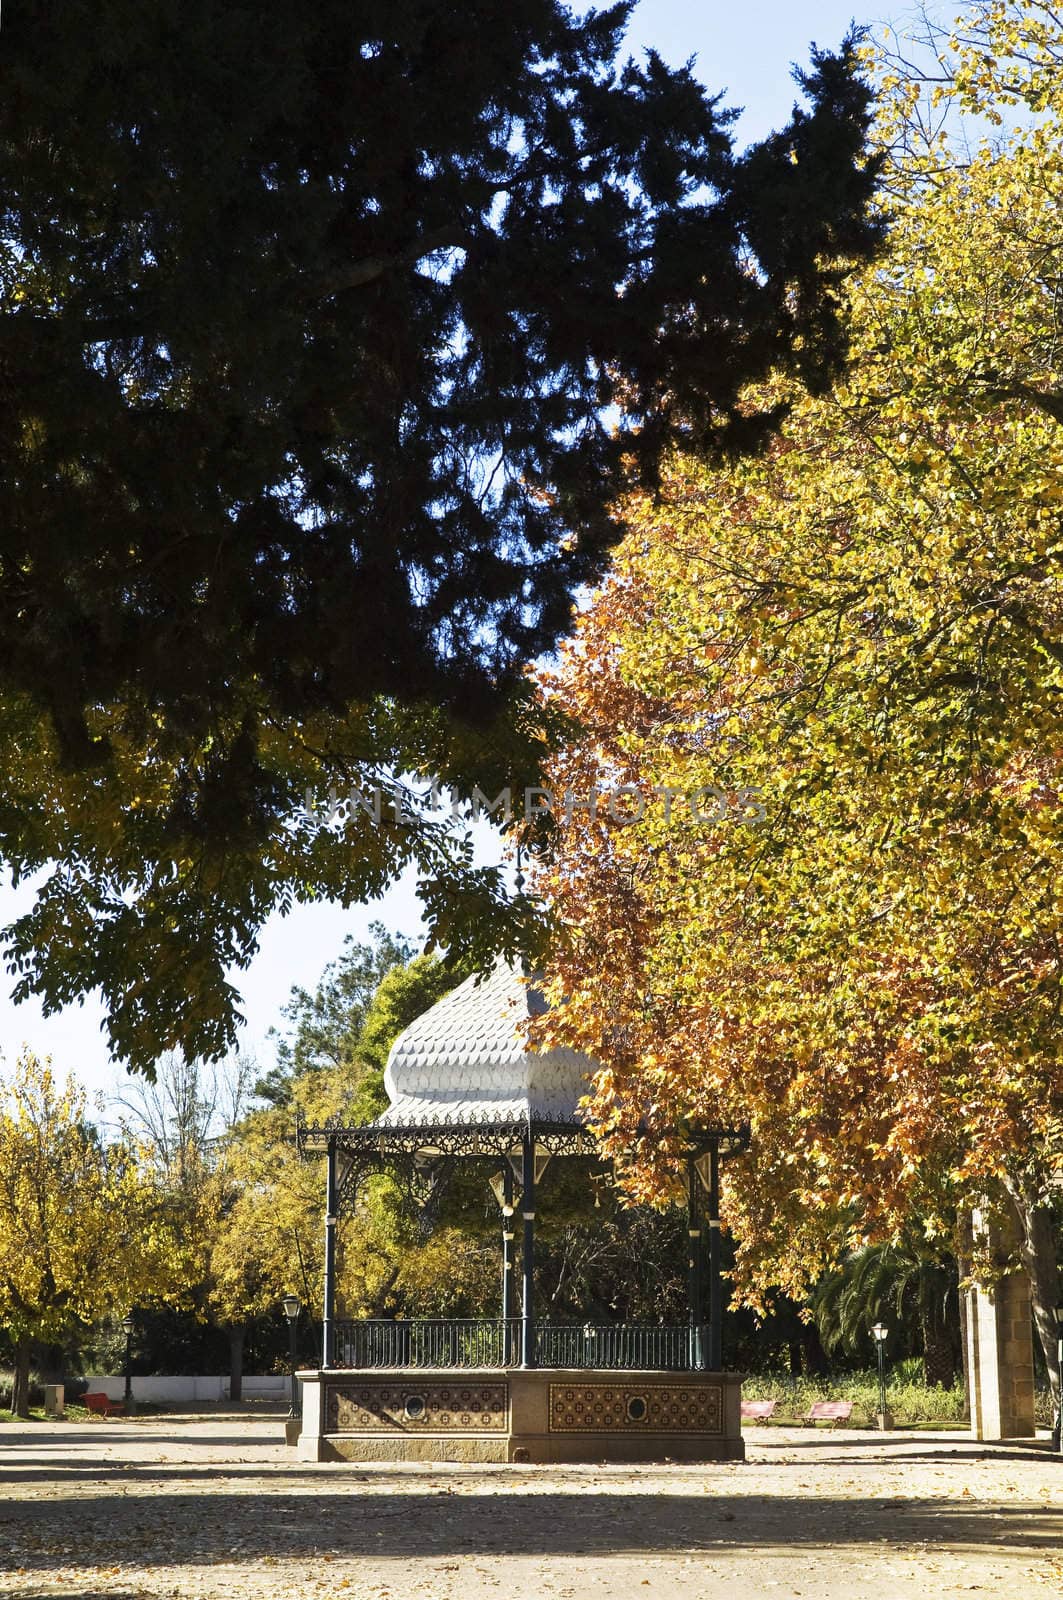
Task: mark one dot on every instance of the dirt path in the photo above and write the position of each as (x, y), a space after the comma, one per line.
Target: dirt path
(219, 1510)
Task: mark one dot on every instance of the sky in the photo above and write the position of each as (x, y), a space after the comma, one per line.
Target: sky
(746, 49)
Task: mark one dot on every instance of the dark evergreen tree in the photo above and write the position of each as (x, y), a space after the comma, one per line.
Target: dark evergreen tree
(317, 321)
(325, 1028)
(346, 1028)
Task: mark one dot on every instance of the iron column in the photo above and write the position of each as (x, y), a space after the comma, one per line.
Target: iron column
(330, 1258)
(527, 1326)
(1057, 1430)
(696, 1309)
(507, 1258)
(715, 1281)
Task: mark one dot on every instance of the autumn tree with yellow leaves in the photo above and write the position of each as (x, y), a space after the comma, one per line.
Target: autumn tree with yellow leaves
(864, 627)
(84, 1232)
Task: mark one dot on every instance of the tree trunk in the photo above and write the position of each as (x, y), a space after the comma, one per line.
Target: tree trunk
(1037, 1245)
(939, 1356)
(379, 1300)
(237, 1334)
(963, 1265)
(939, 1361)
(815, 1357)
(51, 1363)
(20, 1383)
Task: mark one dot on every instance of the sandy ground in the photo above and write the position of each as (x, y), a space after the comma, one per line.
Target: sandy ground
(218, 1509)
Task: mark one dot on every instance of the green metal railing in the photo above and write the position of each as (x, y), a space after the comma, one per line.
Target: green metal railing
(436, 1343)
(623, 1346)
(448, 1342)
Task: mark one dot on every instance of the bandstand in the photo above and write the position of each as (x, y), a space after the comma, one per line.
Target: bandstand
(465, 1089)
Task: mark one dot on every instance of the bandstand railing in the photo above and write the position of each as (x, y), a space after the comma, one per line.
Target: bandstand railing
(430, 1343)
(624, 1346)
(459, 1343)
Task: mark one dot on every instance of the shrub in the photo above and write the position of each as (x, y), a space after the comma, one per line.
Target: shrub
(7, 1380)
(909, 1401)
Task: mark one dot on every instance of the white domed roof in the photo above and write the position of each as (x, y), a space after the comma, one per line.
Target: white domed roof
(466, 1060)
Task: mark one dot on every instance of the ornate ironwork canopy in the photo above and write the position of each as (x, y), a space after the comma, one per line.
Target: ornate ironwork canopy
(412, 1150)
(463, 1083)
(463, 1086)
(463, 1134)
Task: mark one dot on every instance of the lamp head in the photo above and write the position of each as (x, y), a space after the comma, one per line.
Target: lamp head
(292, 1306)
(127, 1323)
(880, 1333)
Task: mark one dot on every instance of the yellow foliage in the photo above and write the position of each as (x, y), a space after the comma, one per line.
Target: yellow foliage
(84, 1231)
(865, 626)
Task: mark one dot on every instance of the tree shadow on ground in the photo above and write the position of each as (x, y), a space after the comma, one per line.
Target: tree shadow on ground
(218, 1525)
(905, 1450)
(162, 1441)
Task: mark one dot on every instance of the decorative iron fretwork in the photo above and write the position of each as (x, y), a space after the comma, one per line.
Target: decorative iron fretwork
(424, 1181)
(414, 1407)
(351, 1168)
(457, 1134)
(421, 1155)
(467, 1134)
(636, 1408)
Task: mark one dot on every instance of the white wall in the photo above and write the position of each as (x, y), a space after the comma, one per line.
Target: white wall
(188, 1390)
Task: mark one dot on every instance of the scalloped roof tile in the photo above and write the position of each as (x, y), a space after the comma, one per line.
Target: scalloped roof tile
(465, 1059)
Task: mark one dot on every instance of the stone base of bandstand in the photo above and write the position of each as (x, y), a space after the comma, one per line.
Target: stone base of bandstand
(539, 1415)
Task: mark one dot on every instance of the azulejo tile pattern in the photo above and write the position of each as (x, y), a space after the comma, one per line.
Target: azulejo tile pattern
(635, 1408)
(412, 1407)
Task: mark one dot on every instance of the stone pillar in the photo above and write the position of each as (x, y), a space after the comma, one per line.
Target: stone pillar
(310, 1440)
(999, 1335)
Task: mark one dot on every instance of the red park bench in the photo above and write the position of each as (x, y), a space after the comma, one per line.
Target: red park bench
(101, 1406)
(757, 1410)
(832, 1411)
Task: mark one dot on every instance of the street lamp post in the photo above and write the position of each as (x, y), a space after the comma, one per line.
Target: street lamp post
(292, 1306)
(880, 1333)
(1057, 1431)
(127, 1329)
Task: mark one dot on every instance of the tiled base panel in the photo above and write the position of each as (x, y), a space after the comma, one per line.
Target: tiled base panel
(542, 1415)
